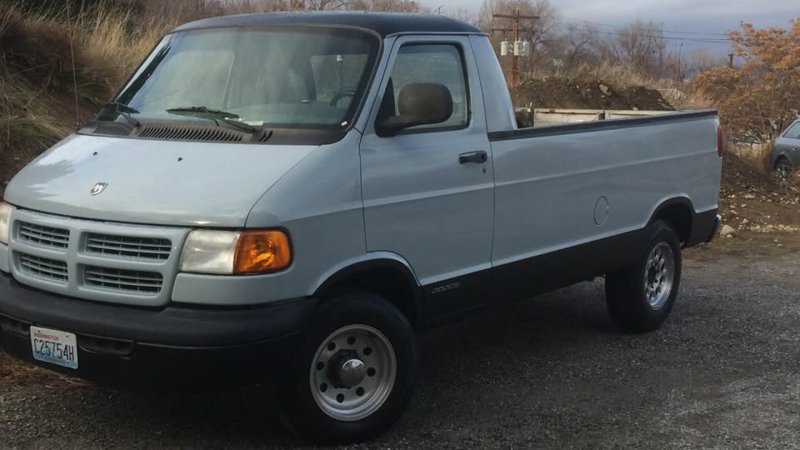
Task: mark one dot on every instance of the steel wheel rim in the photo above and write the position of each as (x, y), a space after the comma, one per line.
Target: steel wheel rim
(659, 275)
(343, 389)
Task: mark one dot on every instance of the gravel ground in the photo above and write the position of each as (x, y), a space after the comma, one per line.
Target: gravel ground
(554, 372)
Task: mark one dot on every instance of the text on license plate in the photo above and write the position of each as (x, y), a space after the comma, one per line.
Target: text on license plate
(54, 347)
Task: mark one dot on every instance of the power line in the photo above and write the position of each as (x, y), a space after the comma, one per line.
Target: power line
(620, 27)
(652, 36)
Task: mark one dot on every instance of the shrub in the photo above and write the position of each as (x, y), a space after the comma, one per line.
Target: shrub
(759, 97)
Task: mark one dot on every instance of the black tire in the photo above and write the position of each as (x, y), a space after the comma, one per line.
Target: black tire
(631, 304)
(303, 408)
(783, 169)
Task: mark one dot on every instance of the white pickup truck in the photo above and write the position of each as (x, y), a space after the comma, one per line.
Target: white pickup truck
(290, 197)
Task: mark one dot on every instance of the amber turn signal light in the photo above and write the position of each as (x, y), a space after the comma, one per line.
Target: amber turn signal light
(262, 251)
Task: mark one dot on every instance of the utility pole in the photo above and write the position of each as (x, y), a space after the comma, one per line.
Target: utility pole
(730, 60)
(515, 19)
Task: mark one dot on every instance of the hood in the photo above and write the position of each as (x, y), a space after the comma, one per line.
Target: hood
(152, 182)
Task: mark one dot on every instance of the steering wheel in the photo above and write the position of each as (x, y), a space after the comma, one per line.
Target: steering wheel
(342, 94)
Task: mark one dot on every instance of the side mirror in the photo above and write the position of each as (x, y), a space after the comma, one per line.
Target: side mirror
(418, 104)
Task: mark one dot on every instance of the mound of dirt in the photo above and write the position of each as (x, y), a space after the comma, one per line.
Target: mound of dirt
(569, 94)
(752, 201)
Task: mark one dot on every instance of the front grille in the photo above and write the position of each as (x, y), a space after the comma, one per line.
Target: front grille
(128, 247)
(94, 260)
(44, 235)
(123, 280)
(46, 268)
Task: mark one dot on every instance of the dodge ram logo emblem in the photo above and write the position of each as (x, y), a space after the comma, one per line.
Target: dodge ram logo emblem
(98, 188)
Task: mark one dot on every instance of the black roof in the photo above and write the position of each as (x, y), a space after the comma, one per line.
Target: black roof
(382, 23)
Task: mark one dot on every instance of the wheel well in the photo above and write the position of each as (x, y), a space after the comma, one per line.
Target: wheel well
(679, 216)
(779, 159)
(395, 285)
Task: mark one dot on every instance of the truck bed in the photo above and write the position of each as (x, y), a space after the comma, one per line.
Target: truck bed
(542, 117)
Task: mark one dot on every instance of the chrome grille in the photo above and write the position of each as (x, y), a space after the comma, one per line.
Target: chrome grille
(123, 280)
(43, 267)
(43, 235)
(128, 247)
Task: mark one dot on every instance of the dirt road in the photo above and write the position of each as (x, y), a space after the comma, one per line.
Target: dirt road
(554, 372)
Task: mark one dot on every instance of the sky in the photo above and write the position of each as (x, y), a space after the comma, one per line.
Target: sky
(679, 18)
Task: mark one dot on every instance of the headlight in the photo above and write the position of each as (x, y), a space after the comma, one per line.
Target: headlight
(236, 252)
(5, 221)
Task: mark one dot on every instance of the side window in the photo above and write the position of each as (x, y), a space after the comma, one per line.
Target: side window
(430, 63)
(793, 132)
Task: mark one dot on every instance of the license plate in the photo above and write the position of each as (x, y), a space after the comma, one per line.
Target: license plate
(54, 347)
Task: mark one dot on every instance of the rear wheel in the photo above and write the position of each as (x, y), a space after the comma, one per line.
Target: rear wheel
(354, 371)
(640, 296)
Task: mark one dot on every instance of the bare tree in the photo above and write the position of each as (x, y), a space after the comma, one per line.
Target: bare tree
(702, 59)
(640, 45)
(183, 10)
(383, 5)
(579, 45)
(464, 15)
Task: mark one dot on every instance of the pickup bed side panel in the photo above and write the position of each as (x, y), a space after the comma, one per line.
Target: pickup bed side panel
(579, 186)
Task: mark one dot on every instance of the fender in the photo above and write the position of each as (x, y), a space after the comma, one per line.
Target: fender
(782, 155)
(700, 227)
(670, 202)
(386, 261)
(372, 260)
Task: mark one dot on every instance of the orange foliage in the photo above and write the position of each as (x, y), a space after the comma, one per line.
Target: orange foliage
(759, 97)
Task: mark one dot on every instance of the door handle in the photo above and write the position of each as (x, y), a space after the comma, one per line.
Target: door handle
(478, 157)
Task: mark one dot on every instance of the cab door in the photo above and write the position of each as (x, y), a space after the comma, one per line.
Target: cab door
(428, 190)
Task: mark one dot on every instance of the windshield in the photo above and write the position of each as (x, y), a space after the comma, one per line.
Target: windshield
(299, 77)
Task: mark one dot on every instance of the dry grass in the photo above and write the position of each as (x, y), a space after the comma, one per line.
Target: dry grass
(99, 48)
(110, 47)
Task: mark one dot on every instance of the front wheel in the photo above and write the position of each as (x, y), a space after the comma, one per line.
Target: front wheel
(640, 296)
(783, 169)
(354, 371)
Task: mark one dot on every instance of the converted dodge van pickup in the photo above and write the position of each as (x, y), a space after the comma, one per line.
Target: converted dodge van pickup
(290, 197)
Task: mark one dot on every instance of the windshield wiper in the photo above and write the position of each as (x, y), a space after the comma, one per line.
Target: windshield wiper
(214, 114)
(125, 111)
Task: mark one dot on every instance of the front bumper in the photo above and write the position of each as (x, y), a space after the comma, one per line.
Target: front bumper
(124, 345)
